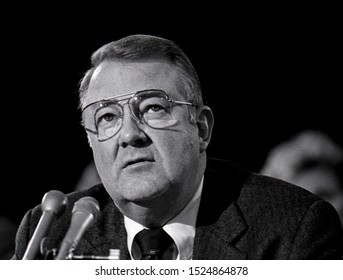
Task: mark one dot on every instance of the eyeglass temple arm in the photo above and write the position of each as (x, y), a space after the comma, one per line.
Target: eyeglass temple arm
(183, 103)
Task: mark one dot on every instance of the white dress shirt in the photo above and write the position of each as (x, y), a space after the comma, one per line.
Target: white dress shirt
(181, 228)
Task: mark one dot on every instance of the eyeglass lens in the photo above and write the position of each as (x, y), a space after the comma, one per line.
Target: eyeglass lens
(150, 107)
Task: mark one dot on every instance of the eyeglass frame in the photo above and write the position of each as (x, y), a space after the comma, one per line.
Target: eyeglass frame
(128, 98)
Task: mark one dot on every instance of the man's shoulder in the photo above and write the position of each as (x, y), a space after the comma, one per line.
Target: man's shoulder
(266, 218)
(259, 188)
(271, 203)
(98, 192)
(253, 186)
(257, 194)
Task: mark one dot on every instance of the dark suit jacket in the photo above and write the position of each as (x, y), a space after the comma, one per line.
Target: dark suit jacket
(242, 215)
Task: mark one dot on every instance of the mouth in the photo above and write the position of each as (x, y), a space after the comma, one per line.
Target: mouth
(137, 161)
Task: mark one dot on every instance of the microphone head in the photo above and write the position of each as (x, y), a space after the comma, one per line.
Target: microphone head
(54, 201)
(89, 205)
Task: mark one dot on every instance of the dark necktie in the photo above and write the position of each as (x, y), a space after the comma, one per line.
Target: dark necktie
(153, 243)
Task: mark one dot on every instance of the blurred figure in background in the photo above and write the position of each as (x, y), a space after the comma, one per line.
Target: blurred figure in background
(312, 160)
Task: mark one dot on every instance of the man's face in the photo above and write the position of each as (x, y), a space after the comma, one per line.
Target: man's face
(140, 164)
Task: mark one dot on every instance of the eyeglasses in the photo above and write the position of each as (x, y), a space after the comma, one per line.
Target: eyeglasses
(152, 107)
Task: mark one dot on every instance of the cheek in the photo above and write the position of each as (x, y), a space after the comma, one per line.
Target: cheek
(104, 154)
(179, 150)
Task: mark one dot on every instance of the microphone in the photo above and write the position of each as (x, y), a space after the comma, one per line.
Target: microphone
(84, 215)
(53, 205)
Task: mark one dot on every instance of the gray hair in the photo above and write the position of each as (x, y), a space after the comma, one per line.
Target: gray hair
(147, 47)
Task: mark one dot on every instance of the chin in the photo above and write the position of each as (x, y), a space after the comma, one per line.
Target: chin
(144, 194)
(148, 196)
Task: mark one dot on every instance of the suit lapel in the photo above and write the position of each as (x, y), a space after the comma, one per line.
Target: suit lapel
(220, 222)
(217, 240)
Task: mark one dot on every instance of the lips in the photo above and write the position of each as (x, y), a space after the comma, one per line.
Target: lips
(137, 160)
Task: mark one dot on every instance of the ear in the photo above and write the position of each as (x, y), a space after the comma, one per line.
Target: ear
(205, 121)
(89, 141)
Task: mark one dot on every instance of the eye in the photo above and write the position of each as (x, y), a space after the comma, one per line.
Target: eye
(107, 116)
(154, 108)
(153, 105)
(106, 120)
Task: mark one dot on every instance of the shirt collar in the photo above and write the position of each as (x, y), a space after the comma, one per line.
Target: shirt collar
(181, 228)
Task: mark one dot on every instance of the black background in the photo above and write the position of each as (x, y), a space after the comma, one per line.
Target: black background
(266, 72)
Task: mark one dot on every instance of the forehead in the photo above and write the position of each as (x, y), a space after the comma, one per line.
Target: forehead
(112, 78)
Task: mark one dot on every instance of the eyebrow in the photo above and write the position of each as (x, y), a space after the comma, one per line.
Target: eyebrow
(120, 96)
(111, 97)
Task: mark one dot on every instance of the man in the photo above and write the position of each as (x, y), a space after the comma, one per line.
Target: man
(148, 128)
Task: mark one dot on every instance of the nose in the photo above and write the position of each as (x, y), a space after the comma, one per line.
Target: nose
(130, 134)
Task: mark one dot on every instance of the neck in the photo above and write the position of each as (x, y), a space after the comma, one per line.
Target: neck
(157, 213)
